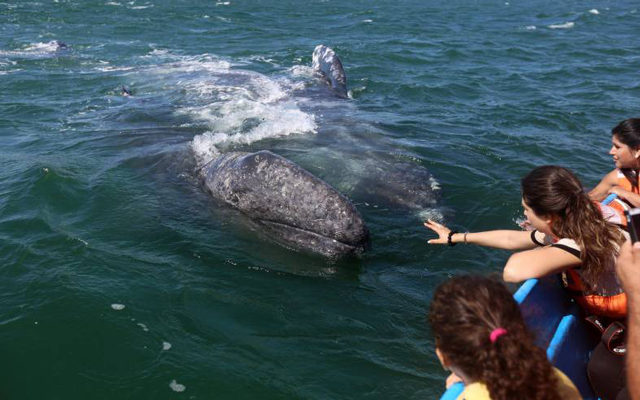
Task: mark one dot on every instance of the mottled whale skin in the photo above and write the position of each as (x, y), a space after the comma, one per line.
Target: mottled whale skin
(329, 66)
(297, 208)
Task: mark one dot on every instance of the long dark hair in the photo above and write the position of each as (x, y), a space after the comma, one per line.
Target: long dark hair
(464, 312)
(553, 190)
(628, 133)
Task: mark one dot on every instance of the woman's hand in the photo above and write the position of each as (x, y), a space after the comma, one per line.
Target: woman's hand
(441, 230)
(620, 192)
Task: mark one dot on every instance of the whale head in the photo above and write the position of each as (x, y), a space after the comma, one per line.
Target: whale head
(293, 206)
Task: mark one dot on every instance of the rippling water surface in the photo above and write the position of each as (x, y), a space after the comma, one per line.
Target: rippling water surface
(122, 279)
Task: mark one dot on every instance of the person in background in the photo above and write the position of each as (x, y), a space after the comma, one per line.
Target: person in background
(570, 237)
(622, 181)
(481, 337)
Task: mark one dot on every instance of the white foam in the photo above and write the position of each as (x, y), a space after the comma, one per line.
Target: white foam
(176, 387)
(566, 25)
(166, 346)
(34, 50)
(367, 21)
(530, 27)
(523, 223)
(303, 71)
(223, 3)
(272, 121)
(112, 3)
(433, 214)
(143, 326)
(117, 306)
(159, 52)
(435, 185)
(242, 107)
(204, 63)
(235, 106)
(594, 11)
(113, 69)
(141, 7)
(43, 47)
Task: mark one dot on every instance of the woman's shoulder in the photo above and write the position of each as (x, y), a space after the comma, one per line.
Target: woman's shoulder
(566, 388)
(475, 391)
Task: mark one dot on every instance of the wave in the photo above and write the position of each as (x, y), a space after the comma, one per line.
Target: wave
(34, 50)
(566, 25)
(234, 105)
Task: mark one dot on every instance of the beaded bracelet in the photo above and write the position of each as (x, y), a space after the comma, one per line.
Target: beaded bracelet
(449, 242)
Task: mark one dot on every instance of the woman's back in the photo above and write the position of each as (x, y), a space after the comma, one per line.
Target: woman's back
(480, 335)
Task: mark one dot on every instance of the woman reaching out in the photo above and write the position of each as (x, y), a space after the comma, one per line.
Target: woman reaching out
(570, 237)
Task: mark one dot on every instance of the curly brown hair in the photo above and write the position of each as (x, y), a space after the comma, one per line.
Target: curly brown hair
(464, 312)
(553, 190)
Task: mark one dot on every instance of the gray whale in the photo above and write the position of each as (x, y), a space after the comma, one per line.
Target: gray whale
(329, 66)
(290, 203)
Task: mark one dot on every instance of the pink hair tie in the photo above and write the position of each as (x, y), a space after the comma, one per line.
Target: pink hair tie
(496, 333)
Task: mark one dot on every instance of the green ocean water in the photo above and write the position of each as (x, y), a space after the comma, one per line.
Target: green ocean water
(122, 279)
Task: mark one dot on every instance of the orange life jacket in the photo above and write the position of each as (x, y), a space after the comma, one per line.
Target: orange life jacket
(607, 300)
(618, 205)
(594, 304)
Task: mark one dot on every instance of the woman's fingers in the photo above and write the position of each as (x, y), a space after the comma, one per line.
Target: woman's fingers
(440, 229)
(433, 225)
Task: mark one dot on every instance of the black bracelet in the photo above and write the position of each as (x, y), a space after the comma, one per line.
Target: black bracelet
(449, 242)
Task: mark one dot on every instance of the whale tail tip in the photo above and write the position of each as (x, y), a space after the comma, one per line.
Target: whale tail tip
(328, 65)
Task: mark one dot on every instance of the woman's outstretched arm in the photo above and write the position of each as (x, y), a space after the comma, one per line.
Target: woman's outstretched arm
(500, 239)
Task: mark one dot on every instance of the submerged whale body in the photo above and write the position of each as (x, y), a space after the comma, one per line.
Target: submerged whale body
(294, 206)
(329, 66)
(402, 186)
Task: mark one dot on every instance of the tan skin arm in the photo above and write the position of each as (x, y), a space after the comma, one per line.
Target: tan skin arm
(538, 263)
(603, 189)
(627, 267)
(533, 262)
(501, 239)
(631, 197)
(608, 185)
